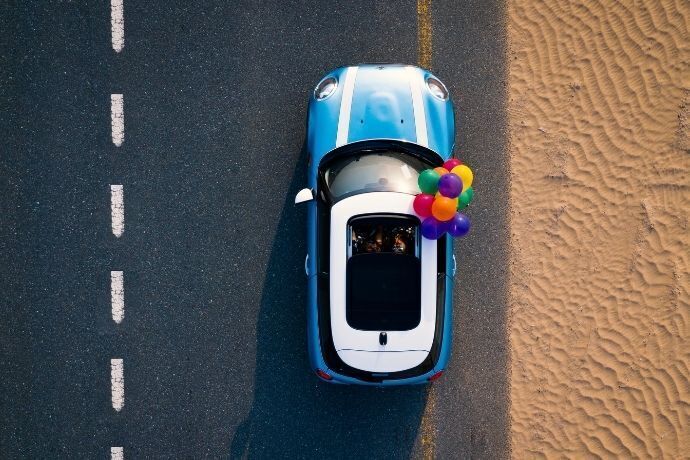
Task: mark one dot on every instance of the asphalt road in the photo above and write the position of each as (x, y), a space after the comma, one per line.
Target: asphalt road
(213, 339)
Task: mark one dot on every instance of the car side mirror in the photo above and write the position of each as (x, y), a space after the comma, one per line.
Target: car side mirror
(304, 195)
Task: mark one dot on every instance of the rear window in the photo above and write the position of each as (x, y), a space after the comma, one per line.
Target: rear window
(383, 273)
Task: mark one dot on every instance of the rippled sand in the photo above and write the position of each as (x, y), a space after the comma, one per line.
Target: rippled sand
(599, 107)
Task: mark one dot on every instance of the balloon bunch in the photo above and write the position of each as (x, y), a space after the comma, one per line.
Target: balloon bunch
(445, 191)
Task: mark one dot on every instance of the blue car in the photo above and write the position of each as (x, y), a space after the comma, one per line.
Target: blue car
(379, 295)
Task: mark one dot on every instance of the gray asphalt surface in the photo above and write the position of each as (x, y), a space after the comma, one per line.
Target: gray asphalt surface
(213, 339)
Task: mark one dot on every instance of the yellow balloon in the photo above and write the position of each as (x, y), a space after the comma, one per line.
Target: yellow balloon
(465, 174)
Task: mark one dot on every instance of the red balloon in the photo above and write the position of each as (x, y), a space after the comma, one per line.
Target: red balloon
(452, 163)
(422, 204)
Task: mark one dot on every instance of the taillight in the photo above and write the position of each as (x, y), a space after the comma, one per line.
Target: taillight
(436, 376)
(323, 375)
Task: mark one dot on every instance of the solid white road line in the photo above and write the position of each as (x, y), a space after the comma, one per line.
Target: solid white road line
(117, 209)
(117, 296)
(345, 107)
(117, 24)
(416, 83)
(117, 453)
(117, 383)
(117, 119)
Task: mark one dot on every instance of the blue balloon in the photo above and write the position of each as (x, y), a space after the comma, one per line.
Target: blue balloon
(459, 225)
(450, 185)
(432, 228)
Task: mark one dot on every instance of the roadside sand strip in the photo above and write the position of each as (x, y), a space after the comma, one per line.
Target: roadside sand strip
(599, 102)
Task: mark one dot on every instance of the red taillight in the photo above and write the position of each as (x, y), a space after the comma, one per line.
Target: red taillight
(323, 375)
(436, 376)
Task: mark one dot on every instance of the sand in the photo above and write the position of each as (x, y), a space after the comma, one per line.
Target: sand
(599, 107)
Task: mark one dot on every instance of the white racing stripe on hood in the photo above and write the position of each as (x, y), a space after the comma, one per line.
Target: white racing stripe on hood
(418, 106)
(346, 106)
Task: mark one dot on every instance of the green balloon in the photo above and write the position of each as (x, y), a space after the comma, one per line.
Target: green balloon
(465, 198)
(428, 181)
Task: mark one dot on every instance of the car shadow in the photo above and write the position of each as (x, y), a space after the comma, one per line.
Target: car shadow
(293, 414)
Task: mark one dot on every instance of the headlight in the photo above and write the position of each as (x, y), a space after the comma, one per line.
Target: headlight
(437, 88)
(325, 88)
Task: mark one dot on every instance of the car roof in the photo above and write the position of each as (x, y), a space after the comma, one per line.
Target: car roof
(345, 337)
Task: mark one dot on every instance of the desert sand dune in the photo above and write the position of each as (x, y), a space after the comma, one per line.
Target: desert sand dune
(599, 102)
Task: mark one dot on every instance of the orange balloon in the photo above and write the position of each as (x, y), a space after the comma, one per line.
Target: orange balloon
(444, 208)
(438, 195)
(441, 170)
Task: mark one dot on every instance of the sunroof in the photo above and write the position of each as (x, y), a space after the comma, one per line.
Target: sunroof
(383, 292)
(383, 234)
(383, 273)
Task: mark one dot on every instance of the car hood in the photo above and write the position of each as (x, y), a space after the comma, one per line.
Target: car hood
(382, 105)
(380, 102)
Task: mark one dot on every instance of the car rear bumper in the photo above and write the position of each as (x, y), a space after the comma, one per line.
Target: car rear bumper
(317, 362)
(346, 380)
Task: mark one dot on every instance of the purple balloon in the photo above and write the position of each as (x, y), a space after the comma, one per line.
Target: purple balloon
(450, 185)
(459, 225)
(432, 228)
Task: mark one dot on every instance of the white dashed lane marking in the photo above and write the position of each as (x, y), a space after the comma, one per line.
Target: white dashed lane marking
(117, 209)
(117, 383)
(117, 213)
(117, 24)
(117, 296)
(117, 118)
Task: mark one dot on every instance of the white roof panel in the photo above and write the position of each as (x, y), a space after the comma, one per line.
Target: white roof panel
(347, 340)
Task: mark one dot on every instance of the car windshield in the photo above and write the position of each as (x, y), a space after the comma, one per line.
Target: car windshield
(380, 171)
